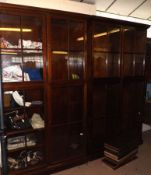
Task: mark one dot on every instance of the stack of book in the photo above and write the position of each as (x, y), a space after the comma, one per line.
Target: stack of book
(118, 152)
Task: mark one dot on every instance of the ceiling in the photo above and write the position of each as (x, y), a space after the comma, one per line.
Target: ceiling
(140, 9)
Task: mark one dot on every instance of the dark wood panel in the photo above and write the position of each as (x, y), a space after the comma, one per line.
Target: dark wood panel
(96, 136)
(67, 104)
(99, 102)
(67, 141)
(112, 127)
(113, 99)
(59, 143)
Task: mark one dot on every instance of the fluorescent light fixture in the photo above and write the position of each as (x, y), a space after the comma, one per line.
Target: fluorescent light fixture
(60, 52)
(7, 29)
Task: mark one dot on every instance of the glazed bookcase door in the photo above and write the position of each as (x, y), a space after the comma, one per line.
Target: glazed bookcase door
(67, 58)
(22, 66)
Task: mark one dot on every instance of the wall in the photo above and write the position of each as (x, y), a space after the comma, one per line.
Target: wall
(64, 5)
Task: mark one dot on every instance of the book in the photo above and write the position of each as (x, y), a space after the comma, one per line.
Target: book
(117, 163)
(117, 158)
(119, 145)
(120, 153)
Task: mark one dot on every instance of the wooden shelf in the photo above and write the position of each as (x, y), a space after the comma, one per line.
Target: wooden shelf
(41, 165)
(37, 146)
(23, 131)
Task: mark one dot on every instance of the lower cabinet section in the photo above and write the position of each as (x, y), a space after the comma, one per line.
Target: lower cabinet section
(68, 141)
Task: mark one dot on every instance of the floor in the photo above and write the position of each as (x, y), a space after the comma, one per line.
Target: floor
(139, 166)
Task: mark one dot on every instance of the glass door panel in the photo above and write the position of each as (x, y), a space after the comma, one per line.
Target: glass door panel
(128, 65)
(33, 65)
(59, 35)
(129, 39)
(11, 63)
(139, 64)
(76, 36)
(75, 104)
(100, 37)
(113, 65)
(59, 66)
(100, 64)
(114, 34)
(76, 140)
(75, 63)
(140, 43)
(31, 28)
(10, 31)
(61, 115)
(59, 46)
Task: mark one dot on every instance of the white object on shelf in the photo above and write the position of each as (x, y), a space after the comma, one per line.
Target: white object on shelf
(12, 73)
(18, 98)
(37, 122)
